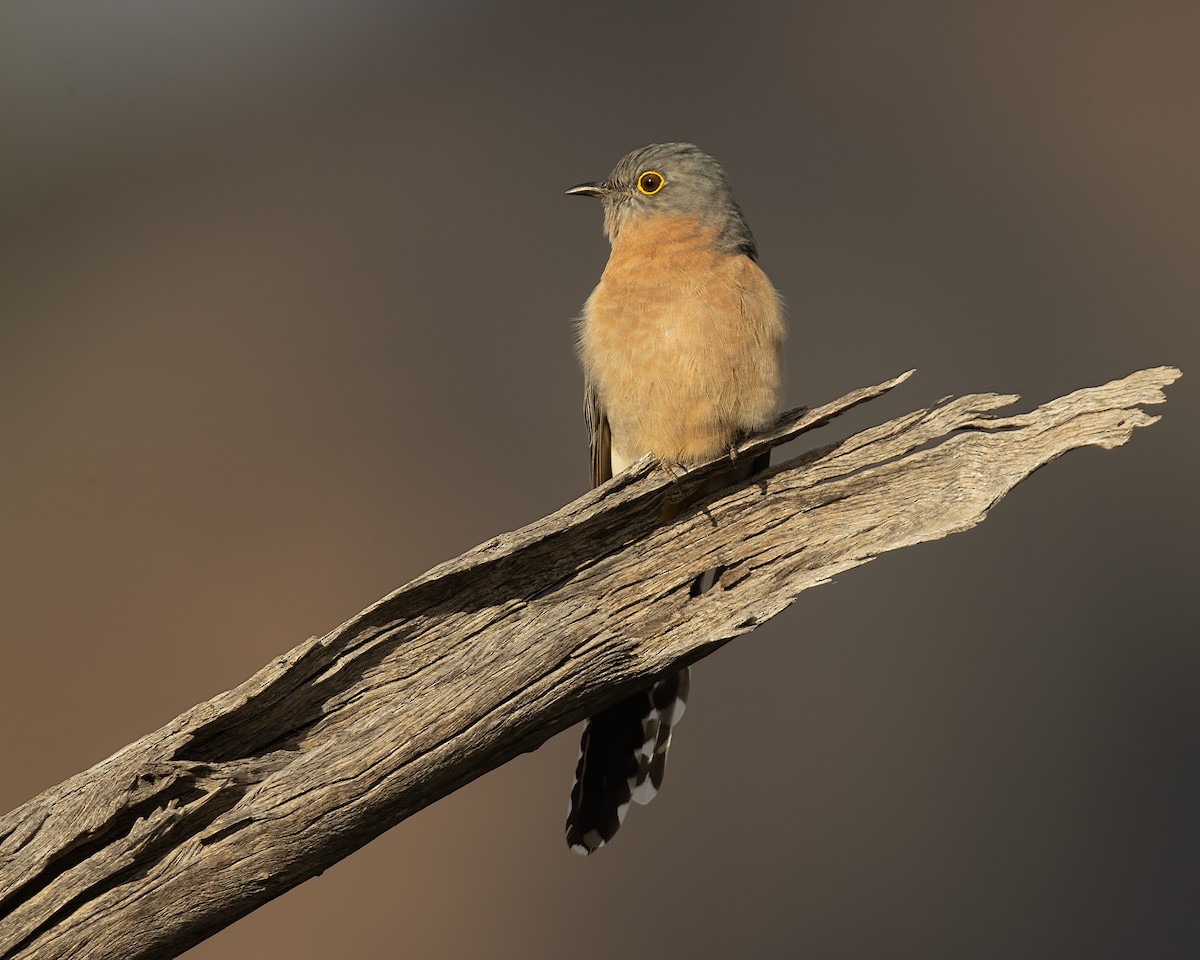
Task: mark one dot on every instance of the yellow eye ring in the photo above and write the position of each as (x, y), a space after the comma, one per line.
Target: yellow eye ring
(650, 182)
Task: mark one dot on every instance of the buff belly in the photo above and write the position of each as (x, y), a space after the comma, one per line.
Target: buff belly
(682, 346)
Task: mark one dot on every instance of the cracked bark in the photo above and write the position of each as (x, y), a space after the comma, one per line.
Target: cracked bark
(488, 655)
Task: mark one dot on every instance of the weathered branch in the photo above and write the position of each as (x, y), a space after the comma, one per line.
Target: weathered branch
(488, 655)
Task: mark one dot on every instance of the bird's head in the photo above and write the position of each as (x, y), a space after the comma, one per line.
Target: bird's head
(671, 180)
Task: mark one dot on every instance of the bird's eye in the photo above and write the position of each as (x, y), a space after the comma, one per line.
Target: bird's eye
(650, 182)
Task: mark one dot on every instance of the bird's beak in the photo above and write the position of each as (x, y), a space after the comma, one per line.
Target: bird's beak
(587, 190)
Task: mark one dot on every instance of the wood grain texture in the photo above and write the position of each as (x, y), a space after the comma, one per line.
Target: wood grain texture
(486, 656)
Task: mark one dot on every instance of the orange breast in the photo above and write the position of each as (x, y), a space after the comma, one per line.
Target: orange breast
(681, 341)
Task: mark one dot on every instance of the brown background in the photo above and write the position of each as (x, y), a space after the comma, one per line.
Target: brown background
(286, 292)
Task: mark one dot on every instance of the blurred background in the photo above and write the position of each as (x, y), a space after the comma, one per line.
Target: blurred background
(286, 292)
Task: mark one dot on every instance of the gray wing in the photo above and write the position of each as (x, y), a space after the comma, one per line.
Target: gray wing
(599, 436)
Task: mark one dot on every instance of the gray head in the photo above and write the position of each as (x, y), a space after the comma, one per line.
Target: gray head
(671, 180)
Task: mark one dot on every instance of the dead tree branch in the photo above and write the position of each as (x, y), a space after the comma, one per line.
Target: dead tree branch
(258, 789)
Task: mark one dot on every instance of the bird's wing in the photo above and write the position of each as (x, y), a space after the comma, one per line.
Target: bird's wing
(598, 435)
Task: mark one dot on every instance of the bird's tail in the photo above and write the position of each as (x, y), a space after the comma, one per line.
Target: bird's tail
(622, 758)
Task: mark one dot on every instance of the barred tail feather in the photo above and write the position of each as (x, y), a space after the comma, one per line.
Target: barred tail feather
(669, 700)
(622, 758)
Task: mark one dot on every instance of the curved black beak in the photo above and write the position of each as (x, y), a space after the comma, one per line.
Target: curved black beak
(595, 189)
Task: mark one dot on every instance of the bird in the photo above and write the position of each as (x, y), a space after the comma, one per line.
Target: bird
(680, 345)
